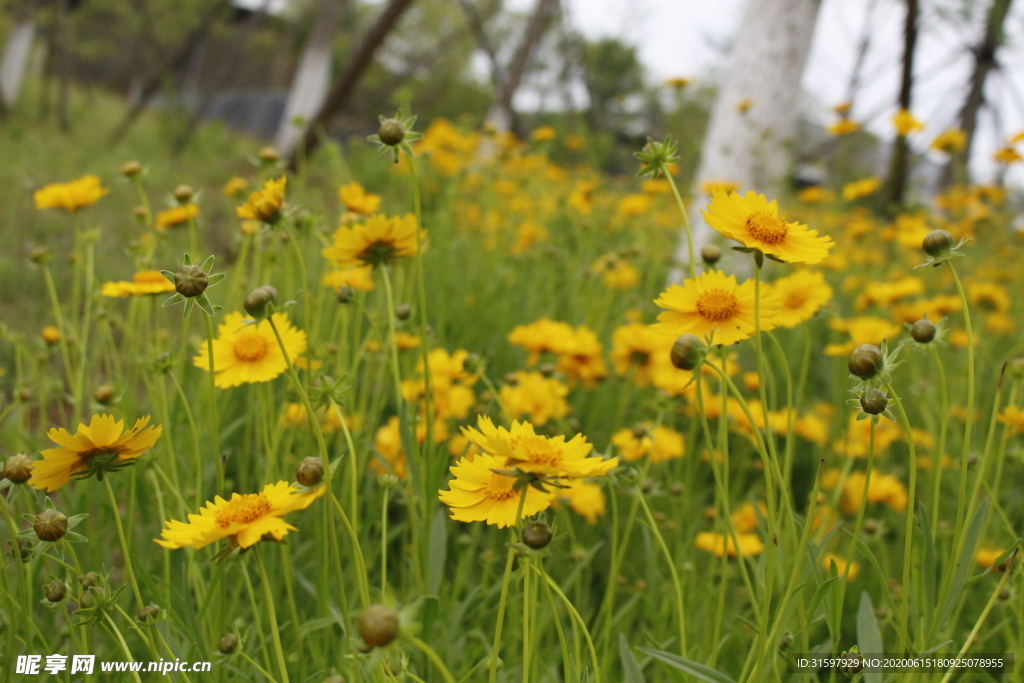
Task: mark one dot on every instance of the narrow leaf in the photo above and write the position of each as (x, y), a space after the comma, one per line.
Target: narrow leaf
(869, 638)
(630, 667)
(704, 673)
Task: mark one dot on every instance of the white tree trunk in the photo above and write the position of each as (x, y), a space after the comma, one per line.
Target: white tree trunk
(766, 66)
(15, 59)
(312, 77)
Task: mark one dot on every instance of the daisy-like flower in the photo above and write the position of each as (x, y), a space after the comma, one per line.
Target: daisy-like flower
(146, 282)
(71, 196)
(585, 499)
(713, 305)
(906, 123)
(859, 189)
(1013, 417)
(178, 215)
(660, 443)
(950, 141)
(536, 397)
(843, 126)
(102, 446)
(479, 494)
(235, 187)
(710, 187)
(542, 336)
(359, 278)
(756, 223)
(800, 296)
(265, 205)
(246, 352)
(720, 544)
(522, 448)
(377, 241)
(636, 347)
(357, 200)
(1007, 155)
(841, 564)
(243, 520)
(864, 329)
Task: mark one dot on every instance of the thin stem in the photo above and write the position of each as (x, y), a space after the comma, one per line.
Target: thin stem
(686, 220)
(432, 656)
(124, 542)
(213, 404)
(275, 631)
(962, 498)
(680, 612)
(120, 641)
(940, 453)
(576, 617)
(511, 556)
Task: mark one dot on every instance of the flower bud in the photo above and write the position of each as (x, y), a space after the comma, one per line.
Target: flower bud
(873, 402)
(1005, 593)
(104, 394)
(310, 471)
(39, 255)
(18, 468)
(511, 379)
(710, 253)
(228, 643)
(403, 311)
(190, 281)
(24, 394)
(24, 549)
(676, 488)
(547, 369)
(378, 625)
(183, 193)
(537, 535)
(149, 614)
(785, 641)
(687, 352)
(866, 361)
(345, 294)
(269, 155)
(130, 169)
(391, 132)
(882, 613)
(89, 580)
(55, 590)
(140, 214)
(937, 242)
(1016, 369)
(256, 303)
(50, 525)
(870, 526)
(923, 331)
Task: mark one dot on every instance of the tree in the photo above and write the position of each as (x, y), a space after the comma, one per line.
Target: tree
(16, 52)
(899, 165)
(612, 72)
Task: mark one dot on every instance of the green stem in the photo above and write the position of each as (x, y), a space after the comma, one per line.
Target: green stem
(962, 498)
(581, 625)
(124, 542)
(940, 453)
(677, 586)
(275, 631)
(510, 558)
(120, 641)
(83, 342)
(686, 220)
(213, 405)
(432, 656)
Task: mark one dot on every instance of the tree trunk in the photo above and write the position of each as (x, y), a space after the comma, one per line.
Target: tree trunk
(899, 167)
(766, 67)
(16, 54)
(342, 90)
(312, 76)
(63, 65)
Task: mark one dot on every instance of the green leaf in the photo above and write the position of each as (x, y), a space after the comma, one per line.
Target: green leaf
(214, 279)
(696, 669)
(204, 304)
(956, 587)
(819, 594)
(869, 638)
(207, 265)
(169, 275)
(438, 552)
(174, 299)
(833, 603)
(189, 304)
(630, 667)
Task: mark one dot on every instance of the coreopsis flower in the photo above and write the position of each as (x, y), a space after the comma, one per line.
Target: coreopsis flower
(379, 240)
(543, 134)
(387, 442)
(579, 357)
(102, 446)
(177, 215)
(843, 108)
(480, 494)
(615, 272)
(906, 123)
(50, 334)
(359, 278)
(841, 565)
(244, 519)
(721, 544)
(536, 397)
(146, 282)
(1013, 417)
(659, 443)
(843, 126)
(543, 336)
(747, 516)
(522, 448)
(235, 187)
(678, 82)
(636, 347)
(357, 200)
(710, 187)
(858, 189)
(885, 294)
(1007, 155)
(883, 488)
(800, 296)
(245, 352)
(756, 223)
(989, 297)
(862, 330)
(72, 196)
(857, 439)
(816, 194)
(713, 306)
(265, 205)
(528, 233)
(585, 498)
(986, 557)
(950, 141)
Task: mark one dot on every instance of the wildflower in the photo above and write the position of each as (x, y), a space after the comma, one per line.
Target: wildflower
(146, 282)
(950, 141)
(50, 525)
(720, 544)
(102, 446)
(885, 294)
(358, 278)
(906, 123)
(378, 240)
(615, 272)
(711, 187)
(862, 330)
(574, 142)
(265, 205)
(678, 82)
(636, 347)
(71, 196)
(244, 519)
(883, 488)
(388, 443)
(18, 468)
(178, 215)
(522, 448)
(543, 134)
(859, 189)
(755, 222)
(1007, 155)
(535, 396)
(800, 296)
(357, 200)
(542, 336)
(816, 194)
(585, 498)
(235, 187)
(745, 518)
(843, 126)
(378, 625)
(580, 357)
(480, 494)
(744, 105)
(660, 443)
(537, 535)
(50, 334)
(246, 353)
(713, 305)
(989, 297)
(841, 566)
(528, 233)
(986, 557)
(1013, 417)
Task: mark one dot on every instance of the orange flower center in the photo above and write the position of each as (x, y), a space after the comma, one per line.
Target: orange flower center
(536, 449)
(766, 227)
(251, 348)
(717, 304)
(795, 299)
(243, 510)
(500, 487)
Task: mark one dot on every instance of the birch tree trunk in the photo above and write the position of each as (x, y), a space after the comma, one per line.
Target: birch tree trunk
(751, 146)
(312, 77)
(16, 54)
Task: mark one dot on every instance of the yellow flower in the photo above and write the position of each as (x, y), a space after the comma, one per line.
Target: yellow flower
(843, 126)
(885, 294)
(265, 205)
(235, 187)
(660, 443)
(816, 194)
(986, 557)
(1013, 417)
(710, 187)
(989, 297)
(636, 346)
(357, 200)
(720, 544)
(104, 438)
(745, 518)
(800, 296)
(843, 108)
(359, 278)
(713, 305)
(744, 105)
(949, 141)
(883, 488)
(535, 396)
(244, 353)
(573, 142)
(71, 196)
(146, 282)
(755, 222)
(580, 357)
(479, 494)
(542, 336)
(176, 216)
(633, 205)
(522, 448)
(376, 241)
(1007, 155)
(859, 189)
(585, 499)
(678, 82)
(388, 443)
(862, 330)
(51, 335)
(906, 123)
(244, 520)
(528, 233)
(841, 564)
(543, 134)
